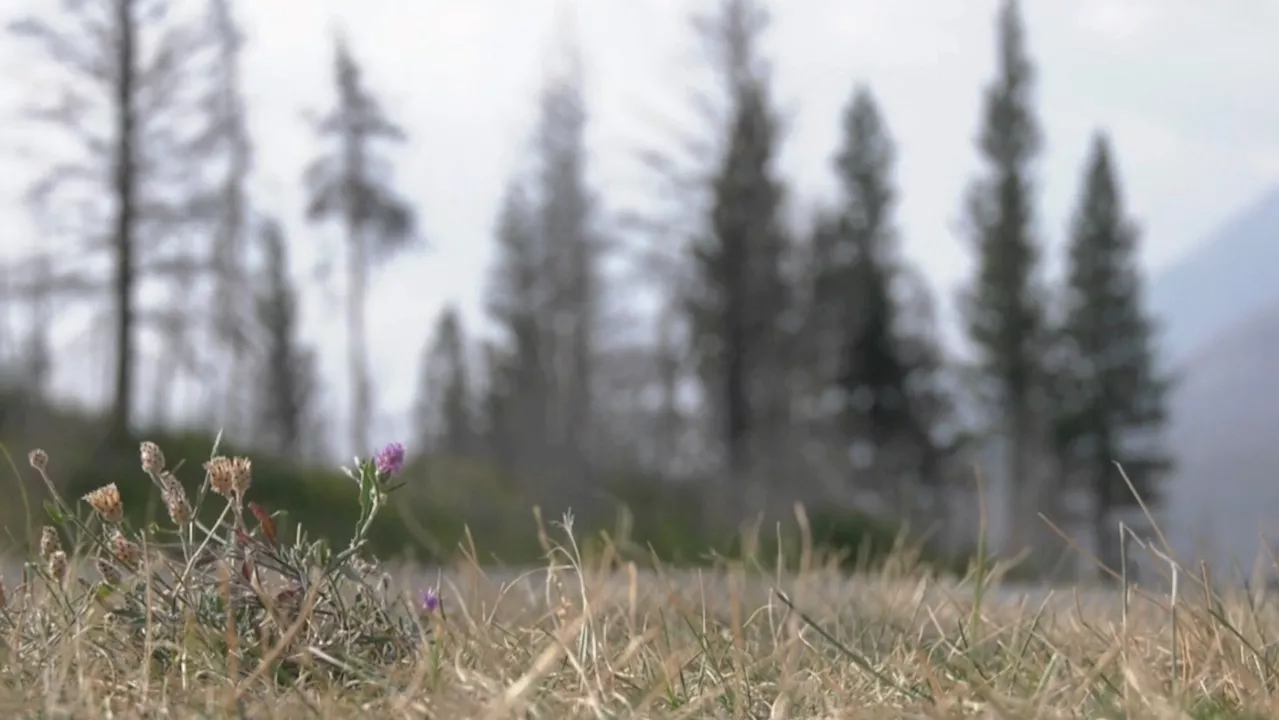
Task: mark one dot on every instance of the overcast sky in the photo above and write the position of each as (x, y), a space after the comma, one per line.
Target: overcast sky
(1186, 88)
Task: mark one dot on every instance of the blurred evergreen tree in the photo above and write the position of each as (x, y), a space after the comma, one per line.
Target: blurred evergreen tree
(739, 303)
(444, 418)
(1004, 306)
(353, 184)
(882, 374)
(1112, 399)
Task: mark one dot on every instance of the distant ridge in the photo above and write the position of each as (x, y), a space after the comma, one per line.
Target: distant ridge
(1223, 494)
(1230, 275)
(1220, 311)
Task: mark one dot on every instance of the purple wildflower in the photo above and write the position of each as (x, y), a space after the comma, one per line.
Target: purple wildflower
(429, 600)
(390, 459)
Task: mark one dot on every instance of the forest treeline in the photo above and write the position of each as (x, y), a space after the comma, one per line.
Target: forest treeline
(781, 363)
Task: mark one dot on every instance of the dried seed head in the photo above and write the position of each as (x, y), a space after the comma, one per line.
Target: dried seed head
(179, 509)
(242, 474)
(58, 566)
(126, 551)
(106, 502)
(49, 542)
(175, 500)
(39, 459)
(110, 575)
(152, 458)
(221, 475)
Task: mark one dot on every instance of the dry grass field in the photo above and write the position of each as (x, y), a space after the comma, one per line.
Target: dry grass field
(230, 620)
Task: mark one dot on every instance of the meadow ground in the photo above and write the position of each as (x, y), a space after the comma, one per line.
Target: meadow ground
(230, 620)
(729, 643)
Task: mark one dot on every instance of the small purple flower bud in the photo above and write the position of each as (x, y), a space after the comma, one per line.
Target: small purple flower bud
(429, 600)
(390, 459)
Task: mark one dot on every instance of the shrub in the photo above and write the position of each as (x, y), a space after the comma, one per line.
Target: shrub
(666, 521)
(318, 499)
(866, 543)
(232, 593)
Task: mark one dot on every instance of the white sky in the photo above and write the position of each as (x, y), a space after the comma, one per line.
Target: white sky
(1187, 89)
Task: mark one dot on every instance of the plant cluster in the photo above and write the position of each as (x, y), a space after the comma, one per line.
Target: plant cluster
(232, 598)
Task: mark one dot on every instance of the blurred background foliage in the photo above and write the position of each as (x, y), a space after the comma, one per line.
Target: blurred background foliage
(428, 519)
(671, 363)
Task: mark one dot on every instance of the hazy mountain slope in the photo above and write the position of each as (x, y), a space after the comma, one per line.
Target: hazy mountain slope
(1229, 276)
(1220, 309)
(1224, 494)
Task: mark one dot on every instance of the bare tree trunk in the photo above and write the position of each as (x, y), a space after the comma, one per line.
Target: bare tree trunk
(1104, 541)
(1020, 483)
(7, 292)
(581, 405)
(357, 359)
(124, 187)
(669, 420)
(1106, 533)
(1036, 491)
(231, 246)
(166, 369)
(38, 359)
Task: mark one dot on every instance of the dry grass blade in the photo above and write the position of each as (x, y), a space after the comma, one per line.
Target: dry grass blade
(857, 658)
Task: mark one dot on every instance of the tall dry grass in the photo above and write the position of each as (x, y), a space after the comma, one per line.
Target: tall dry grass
(232, 620)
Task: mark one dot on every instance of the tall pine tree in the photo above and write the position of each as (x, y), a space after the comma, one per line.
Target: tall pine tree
(736, 317)
(517, 396)
(287, 370)
(1112, 399)
(351, 185)
(230, 131)
(143, 65)
(444, 419)
(570, 252)
(1004, 306)
(881, 417)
